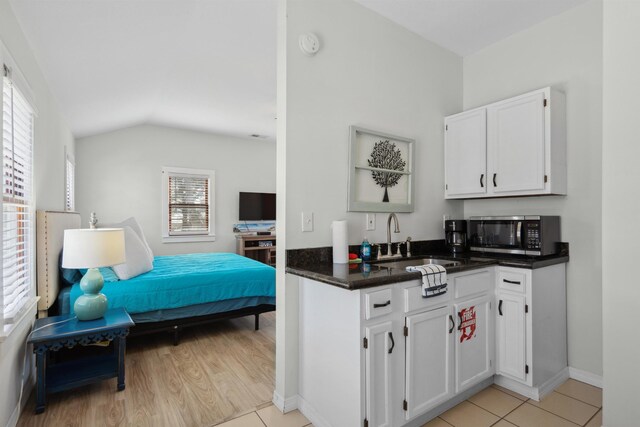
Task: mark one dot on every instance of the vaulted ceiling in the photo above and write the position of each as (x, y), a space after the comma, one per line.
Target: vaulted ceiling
(210, 65)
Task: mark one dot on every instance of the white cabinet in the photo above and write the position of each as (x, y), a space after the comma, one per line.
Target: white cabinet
(511, 336)
(358, 365)
(380, 344)
(429, 351)
(465, 154)
(474, 341)
(449, 348)
(531, 329)
(516, 152)
(525, 148)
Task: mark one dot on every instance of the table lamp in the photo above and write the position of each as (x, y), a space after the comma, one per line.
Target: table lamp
(91, 249)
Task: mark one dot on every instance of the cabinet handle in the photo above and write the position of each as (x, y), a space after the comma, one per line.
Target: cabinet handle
(494, 180)
(453, 324)
(513, 282)
(500, 307)
(393, 343)
(382, 305)
(460, 317)
(482, 181)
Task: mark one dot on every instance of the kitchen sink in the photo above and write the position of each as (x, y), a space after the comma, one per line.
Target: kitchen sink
(412, 262)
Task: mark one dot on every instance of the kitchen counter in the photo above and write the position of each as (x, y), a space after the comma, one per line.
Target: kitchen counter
(316, 264)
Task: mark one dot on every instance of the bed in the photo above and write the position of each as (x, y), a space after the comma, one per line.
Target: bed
(180, 291)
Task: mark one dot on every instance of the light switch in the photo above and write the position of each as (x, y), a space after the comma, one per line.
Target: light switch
(307, 221)
(371, 221)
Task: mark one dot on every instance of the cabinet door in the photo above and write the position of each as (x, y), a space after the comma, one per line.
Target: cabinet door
(465, 154)
(428, 373)
(511, 336)
(516, 145)
(378, 376)
(474, 348)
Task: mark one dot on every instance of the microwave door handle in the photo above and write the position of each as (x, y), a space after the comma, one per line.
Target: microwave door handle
(519, 234)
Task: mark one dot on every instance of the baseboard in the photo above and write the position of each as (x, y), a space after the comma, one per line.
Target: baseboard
(585, 377)
(516, 386)
(535, 393)
(553, 383)
(312, 415)
(15, 415)
(285, 405)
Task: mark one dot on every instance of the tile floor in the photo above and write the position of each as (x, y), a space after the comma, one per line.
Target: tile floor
(573, 404)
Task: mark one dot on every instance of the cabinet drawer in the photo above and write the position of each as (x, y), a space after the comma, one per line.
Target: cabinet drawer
(475, 282)
(377, 303)
(413, 299)
(512, 280)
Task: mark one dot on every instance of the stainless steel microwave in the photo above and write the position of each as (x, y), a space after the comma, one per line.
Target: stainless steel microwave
(525, 235)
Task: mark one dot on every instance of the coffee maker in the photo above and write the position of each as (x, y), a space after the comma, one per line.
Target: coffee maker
(455, 232)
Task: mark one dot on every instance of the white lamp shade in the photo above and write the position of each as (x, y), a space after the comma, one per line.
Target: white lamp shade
(92, 248)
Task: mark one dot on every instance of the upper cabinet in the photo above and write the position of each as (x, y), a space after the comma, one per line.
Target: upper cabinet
(515, 147)
(466, 154)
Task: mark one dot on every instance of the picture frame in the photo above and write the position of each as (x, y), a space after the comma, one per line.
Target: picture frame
(380, 172)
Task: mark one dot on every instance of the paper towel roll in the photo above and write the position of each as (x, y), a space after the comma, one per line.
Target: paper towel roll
(340, 244)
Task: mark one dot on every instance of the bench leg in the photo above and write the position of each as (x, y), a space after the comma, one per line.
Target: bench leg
(257, 328)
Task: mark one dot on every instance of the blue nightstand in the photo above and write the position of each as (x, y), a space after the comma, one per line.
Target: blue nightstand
(54, 333)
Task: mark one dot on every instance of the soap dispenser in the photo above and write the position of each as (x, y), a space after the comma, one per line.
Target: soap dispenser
(365, 250)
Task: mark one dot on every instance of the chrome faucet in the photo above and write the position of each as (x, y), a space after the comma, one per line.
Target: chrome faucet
(396, 230)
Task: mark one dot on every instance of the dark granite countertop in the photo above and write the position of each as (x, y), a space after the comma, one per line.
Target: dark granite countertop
(316, 264)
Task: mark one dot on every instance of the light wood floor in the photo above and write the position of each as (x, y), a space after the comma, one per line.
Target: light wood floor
(218, 372)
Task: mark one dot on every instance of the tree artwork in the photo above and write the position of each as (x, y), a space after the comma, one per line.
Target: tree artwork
(385, 155)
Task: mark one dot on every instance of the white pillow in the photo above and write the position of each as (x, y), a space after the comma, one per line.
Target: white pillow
(135, 226)
(137, 258)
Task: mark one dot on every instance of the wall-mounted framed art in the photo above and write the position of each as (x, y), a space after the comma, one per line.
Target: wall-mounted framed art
(380, 172)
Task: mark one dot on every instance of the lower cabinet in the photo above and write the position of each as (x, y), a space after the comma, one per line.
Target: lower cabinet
(511, 336)
(380, 344)
(394, 355)
(429, 355)
(474, 341)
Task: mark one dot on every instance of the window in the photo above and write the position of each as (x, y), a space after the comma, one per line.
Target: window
(17, 203)
(69, 182)
(188, 205)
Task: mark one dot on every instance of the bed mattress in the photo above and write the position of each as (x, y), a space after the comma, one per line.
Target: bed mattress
(197, 281)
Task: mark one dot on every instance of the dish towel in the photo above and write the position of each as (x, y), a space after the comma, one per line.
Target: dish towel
(434, 279)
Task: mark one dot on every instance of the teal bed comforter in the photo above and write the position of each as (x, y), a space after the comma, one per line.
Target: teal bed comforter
(190, 279)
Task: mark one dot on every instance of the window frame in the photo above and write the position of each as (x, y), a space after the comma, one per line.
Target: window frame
(69, 187)
(187, 238)
(19, 84)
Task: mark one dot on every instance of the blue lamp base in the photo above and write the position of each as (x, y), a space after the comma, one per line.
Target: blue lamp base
(92, 304)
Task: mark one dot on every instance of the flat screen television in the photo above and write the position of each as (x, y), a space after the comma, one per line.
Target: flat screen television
(257, 206)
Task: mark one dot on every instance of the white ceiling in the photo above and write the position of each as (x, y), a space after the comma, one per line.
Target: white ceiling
(466, 26)
(205, 65)
(211, 64)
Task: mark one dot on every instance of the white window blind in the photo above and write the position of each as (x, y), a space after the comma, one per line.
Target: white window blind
(69, 184)
(17, 200)
(188, 204)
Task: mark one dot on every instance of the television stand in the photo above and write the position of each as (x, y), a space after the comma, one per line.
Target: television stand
(260, 248)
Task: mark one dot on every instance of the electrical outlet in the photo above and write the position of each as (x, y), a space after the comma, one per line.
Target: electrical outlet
(371, 221)
(307, 221)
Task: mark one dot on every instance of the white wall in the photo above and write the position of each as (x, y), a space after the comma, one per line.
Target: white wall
(564, 52)
(51, 135)
(369, 72)
(118, 175)
(621, 209)
(376, 74)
